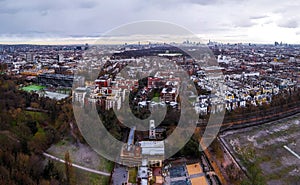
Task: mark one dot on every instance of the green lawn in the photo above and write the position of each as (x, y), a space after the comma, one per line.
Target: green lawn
(106, 165)
(132, 175)
(32, 88)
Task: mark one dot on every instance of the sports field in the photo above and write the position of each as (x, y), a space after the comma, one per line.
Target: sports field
(177, 171)
(32, 88)
(194, 169)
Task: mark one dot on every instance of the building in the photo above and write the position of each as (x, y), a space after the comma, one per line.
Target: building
(29, 57)
(131, 154)
(56, 80)
(143, 173)
(155, 82)
(103, 82)
(201, 108)
(153, 151)
(61, 57)
(168, 94)
(79, 95)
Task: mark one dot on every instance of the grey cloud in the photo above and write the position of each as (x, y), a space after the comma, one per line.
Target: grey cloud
(203, 2)
(5, 9)
(88, 4)
(9, 10)
(44, 12)
(233, 36)
(243, 23)
(267, 22)
(149, 28)
(21, 6)
(82, 36)
(289, 15)
(289, 23)
(84, 18)
(167, 4)
(259, 17)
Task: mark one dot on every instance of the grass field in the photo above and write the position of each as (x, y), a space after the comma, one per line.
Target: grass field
(132, 175)
(265, 143)
(32, 88)
(82, 177)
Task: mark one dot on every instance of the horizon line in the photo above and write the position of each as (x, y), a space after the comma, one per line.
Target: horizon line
(93, 41)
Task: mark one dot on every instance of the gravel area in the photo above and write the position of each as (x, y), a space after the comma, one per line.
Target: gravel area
(278, 164)
(80, 154)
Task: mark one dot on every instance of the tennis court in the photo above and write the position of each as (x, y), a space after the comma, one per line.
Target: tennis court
(177, 171)
(199, 181)
(194, 169)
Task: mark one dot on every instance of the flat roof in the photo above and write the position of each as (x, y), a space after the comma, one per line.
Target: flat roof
(151, 144)
(143, 172)
(144, 182)
(159, 179)
(152, 147)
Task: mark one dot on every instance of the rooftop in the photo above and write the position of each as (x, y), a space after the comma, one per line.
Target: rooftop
(152, 147)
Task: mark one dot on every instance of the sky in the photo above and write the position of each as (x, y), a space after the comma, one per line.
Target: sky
(75, 21)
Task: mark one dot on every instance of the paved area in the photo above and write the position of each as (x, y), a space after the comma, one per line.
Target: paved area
(80, 154)
(120, 175)
(178, 179)
(197, 175)
(180, 182)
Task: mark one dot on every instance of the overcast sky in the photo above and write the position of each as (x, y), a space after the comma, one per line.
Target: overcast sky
(260, 21)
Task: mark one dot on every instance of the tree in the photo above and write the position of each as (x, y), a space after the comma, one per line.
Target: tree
(22, 138)
(50, 172)
(254, 172)
(39, 142)
(69, 169)
(233, 173)
(255, 175)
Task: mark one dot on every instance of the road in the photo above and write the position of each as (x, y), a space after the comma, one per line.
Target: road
(77, 166)
(120, 175)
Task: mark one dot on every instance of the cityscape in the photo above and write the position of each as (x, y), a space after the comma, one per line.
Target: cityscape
(149, 93)
(260, 84)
